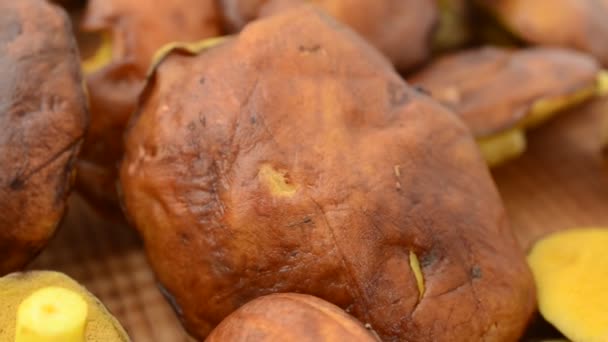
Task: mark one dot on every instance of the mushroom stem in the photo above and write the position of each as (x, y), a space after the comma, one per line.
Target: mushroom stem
(52, 314)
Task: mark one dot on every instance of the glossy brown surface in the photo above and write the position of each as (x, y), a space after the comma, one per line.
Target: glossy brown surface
(290, 317)
(493, 89)
(578, 24)
(137, 31)
(43, 117)
(296, 172)
(401, 29)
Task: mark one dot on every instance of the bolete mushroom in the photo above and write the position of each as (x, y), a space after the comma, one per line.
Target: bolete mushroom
(43, 118)
(499, 93)
(293, 158)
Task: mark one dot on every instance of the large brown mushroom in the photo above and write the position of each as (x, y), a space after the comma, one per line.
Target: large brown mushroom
(293, 158)
(401, 29)
(290, 317)
(131, 33)
(43, 117)
(499, 93)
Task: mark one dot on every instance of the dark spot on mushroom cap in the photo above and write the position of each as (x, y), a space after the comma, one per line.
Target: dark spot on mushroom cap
(476, 272)
(184, 238)
(428, 258)
(17, 184)
(311, 49)
(422, 90)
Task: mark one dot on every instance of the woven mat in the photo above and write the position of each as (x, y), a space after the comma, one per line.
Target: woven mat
(561, 182)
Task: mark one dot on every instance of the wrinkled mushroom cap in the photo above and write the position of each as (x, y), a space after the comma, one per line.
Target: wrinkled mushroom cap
(293, 158)
(43, 116)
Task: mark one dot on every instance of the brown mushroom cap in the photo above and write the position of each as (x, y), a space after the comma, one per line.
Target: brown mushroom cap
(401, 29)
(137, 31)
(293, 158)
(577, 24)
(43, 117)
(290, 317)
(494, 89)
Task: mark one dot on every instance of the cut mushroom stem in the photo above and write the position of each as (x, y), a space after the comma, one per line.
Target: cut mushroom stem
(52, 314)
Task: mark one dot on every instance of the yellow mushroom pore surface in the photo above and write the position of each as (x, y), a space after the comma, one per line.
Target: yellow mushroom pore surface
(602, 83)
(452, 28)
(501, 147)
(102, 56)
(571, 273)
(52, 314)
(544, 109)
(190, 47)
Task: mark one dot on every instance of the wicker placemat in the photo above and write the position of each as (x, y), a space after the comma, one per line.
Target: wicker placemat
(560, 182)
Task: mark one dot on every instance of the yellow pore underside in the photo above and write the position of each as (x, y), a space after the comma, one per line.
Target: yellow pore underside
(504, 146)
(571, 273)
